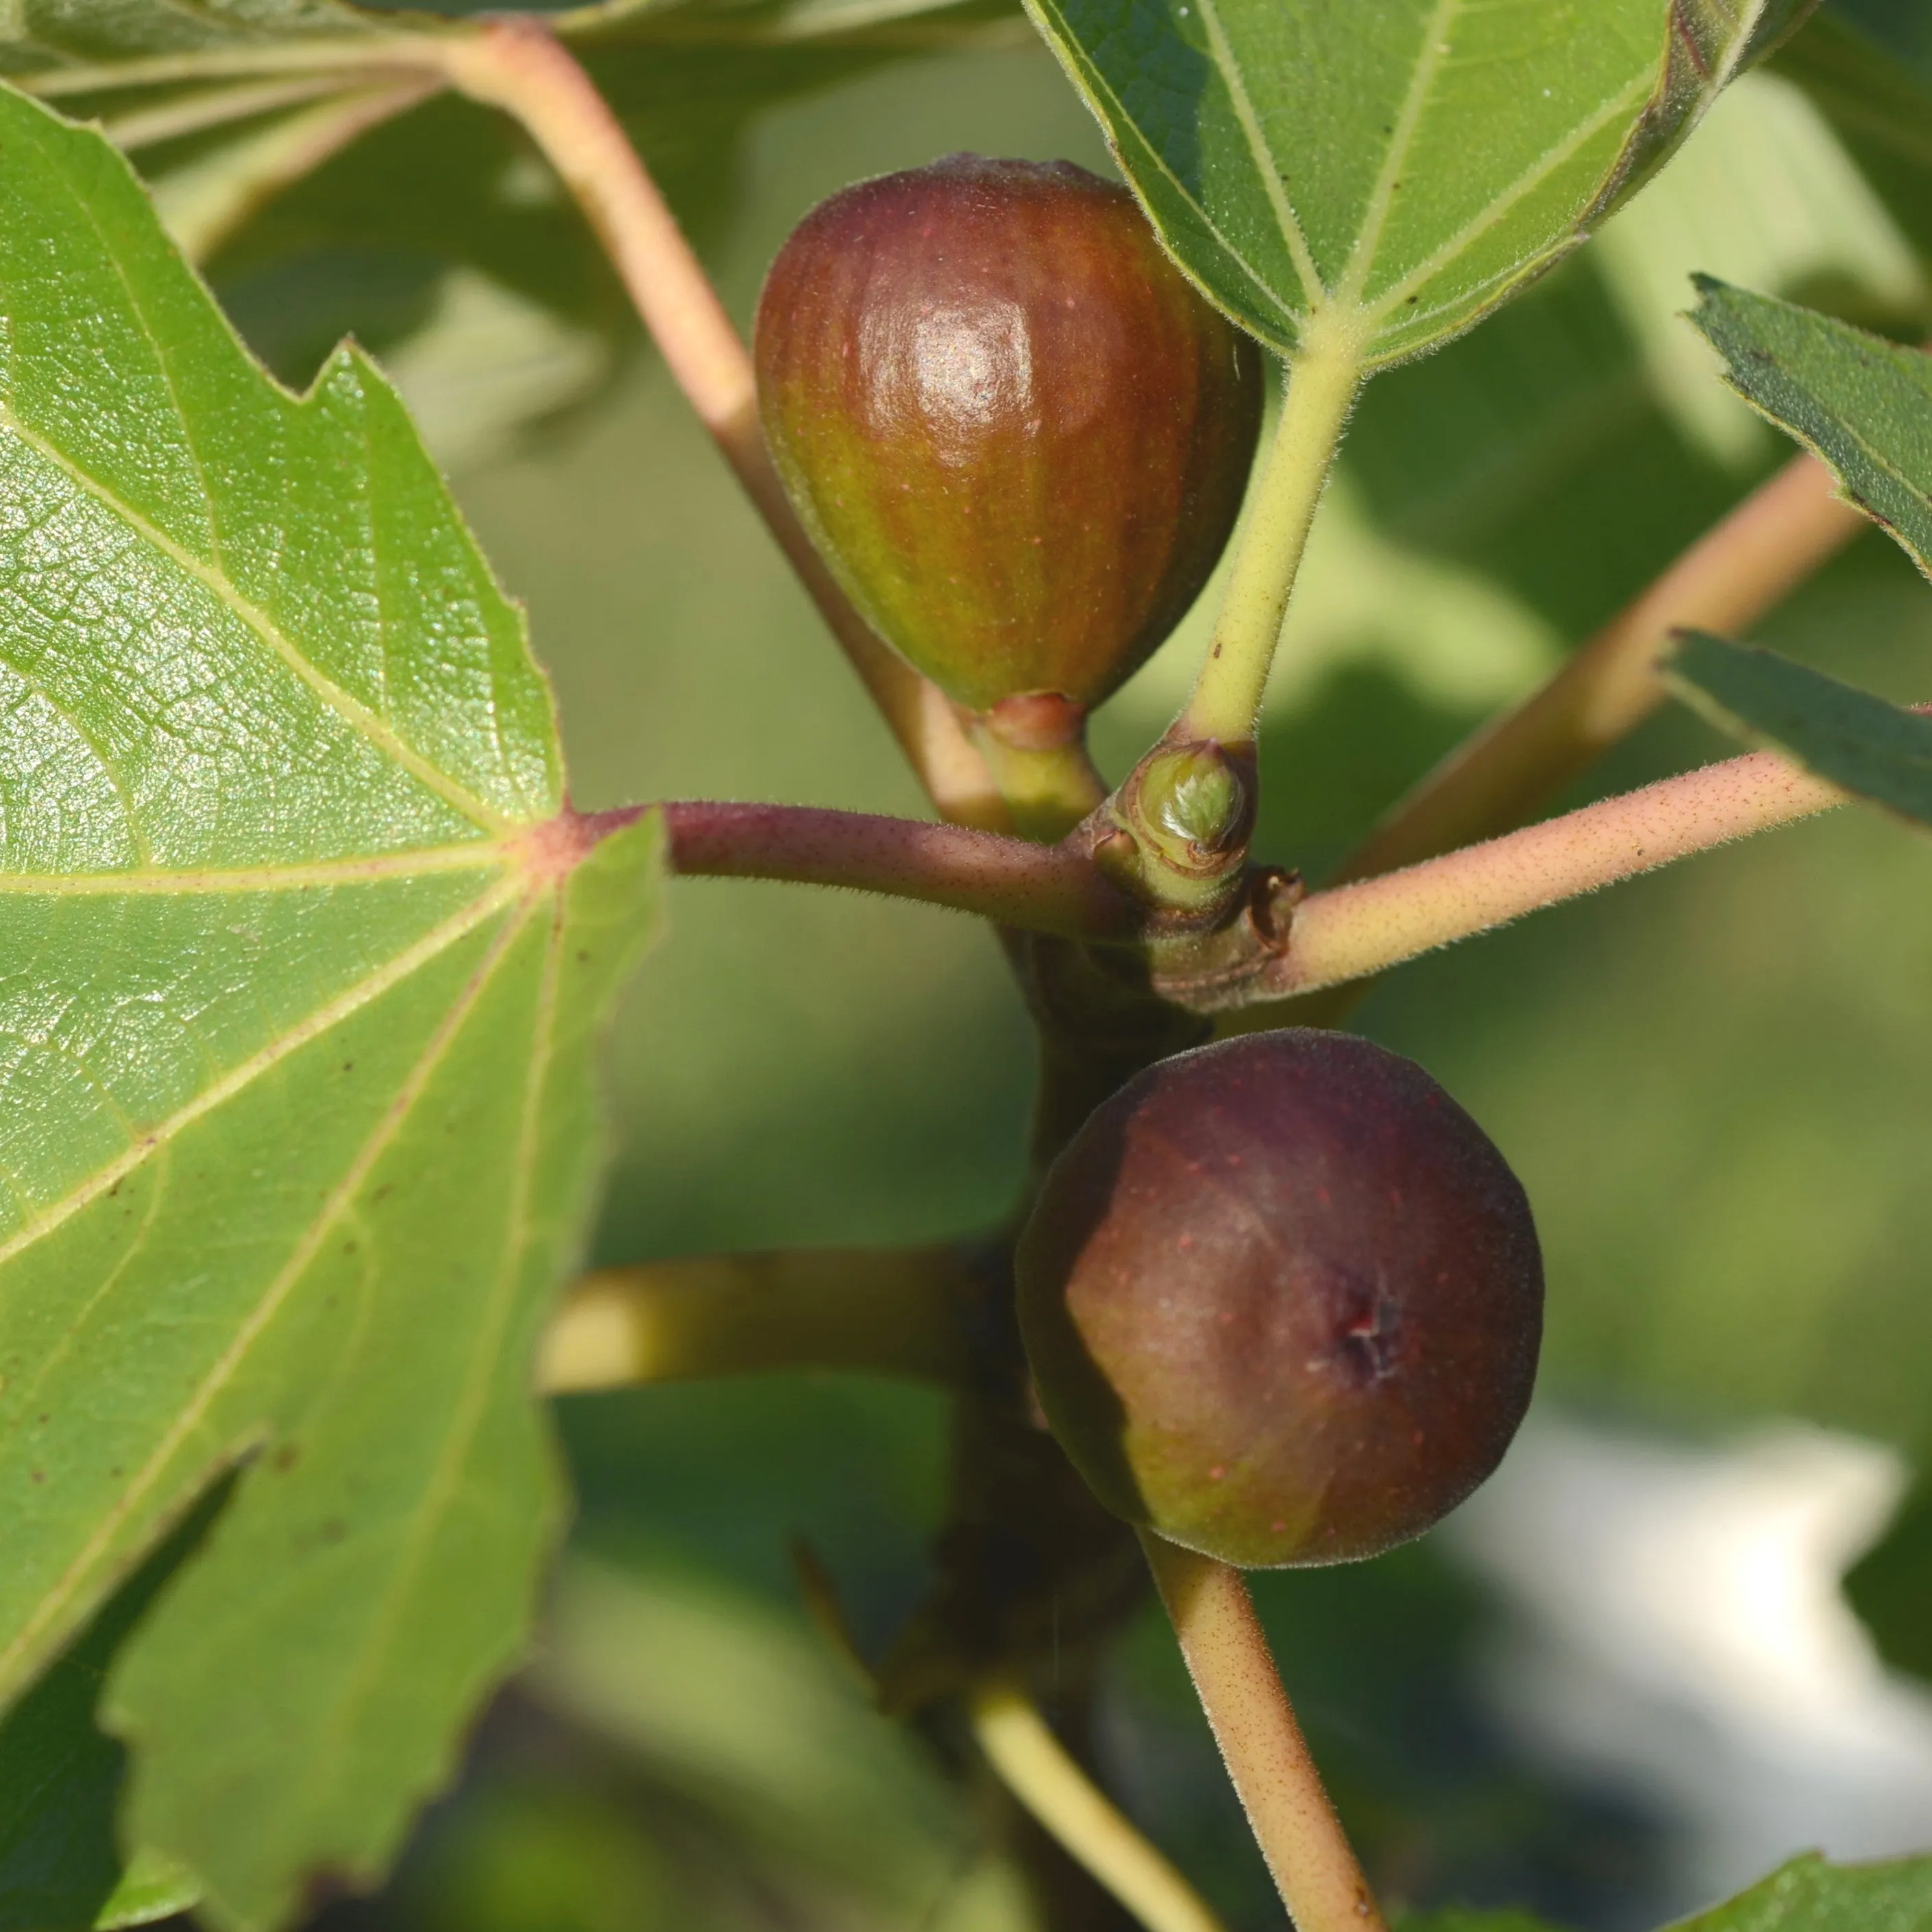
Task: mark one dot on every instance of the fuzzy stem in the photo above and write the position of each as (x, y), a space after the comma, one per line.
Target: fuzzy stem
(516, 64)
(1036, 888)
(1043, 1774)
(907, 1311)
(1227, 698)
(1288, 1808)
(1778, 537)
(1355, 930)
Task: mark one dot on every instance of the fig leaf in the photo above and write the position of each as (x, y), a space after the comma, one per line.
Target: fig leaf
(1399, 177)
(304, 957)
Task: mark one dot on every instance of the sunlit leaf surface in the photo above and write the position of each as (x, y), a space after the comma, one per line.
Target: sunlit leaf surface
(1393, 173)
(301, 958)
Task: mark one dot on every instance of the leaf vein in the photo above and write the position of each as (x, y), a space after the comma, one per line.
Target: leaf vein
(49, 1611)
(1532, 178)
(351, 710)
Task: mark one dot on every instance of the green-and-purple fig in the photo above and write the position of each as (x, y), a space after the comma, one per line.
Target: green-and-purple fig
(1282, 1299)
(1016, 432)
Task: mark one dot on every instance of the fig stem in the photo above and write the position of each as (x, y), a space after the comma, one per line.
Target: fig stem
(1353, 931)
(1288, 1808)
(1049, 792)
(515, 63)
(1036, 888)
(904, 1312)
(1045, 1777)
(1779, 536)
(1225, 705)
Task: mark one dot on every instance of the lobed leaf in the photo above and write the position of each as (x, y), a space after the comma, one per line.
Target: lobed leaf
(1862, 403)
(1808, 1895)
(1391, 175)
(303, 958)
(1844, 735)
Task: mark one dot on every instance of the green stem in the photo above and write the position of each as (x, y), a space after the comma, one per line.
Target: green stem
(1047, 792)
(1227, 698)
(1044, 1775)
(1289, 1807)
(910, 1312)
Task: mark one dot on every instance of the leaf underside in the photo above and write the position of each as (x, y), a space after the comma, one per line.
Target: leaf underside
(1391, 174)
(301, 954)
(1862, 404)
(1844, 735)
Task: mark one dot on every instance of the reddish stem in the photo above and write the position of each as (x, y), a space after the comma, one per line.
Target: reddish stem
(1740, 568)
(1353, 931)
(1036, 888)
(516, 64)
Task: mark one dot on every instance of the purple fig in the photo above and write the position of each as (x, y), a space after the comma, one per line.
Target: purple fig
(1282, 1299)
(1017, 435)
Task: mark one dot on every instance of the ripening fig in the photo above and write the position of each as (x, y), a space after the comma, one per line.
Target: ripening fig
(1013, 427)
(1282, 1299)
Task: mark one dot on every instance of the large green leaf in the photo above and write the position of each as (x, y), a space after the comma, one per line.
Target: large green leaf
(303, 958)
(1392, 173)
(1846, 735)
(1862, 404)
(1808, 1895)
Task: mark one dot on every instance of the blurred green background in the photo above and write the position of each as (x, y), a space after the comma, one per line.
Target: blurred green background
(1717, 1083)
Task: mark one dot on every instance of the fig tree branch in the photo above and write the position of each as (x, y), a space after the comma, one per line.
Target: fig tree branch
(1288, 1808)
(907, 1311)
(1781, 535)
(1052, 888)
(1043, 1774)
(1351, 931)
(516, 64)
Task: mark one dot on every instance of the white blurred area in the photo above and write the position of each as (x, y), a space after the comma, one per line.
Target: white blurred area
(1681, 1638)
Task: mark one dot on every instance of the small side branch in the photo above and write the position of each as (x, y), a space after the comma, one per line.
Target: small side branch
(1037, 888)
(1354, 930)
(517, 65)
(1043, 1774)
(910, 1312)
(1781, 535)
(1288, 1808)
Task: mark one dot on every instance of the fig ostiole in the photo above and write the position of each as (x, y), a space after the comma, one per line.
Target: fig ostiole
(1282, 1299)
(1015, 431)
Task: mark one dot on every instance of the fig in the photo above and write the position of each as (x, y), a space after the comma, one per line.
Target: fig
(1282, 1300)
(1015, 431)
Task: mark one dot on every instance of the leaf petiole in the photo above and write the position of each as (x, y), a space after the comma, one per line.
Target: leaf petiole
(1036, 888)
(1226, 702)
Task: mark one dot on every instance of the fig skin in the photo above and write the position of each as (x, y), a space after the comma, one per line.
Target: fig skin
(1282, 1300)
(1016, 432)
